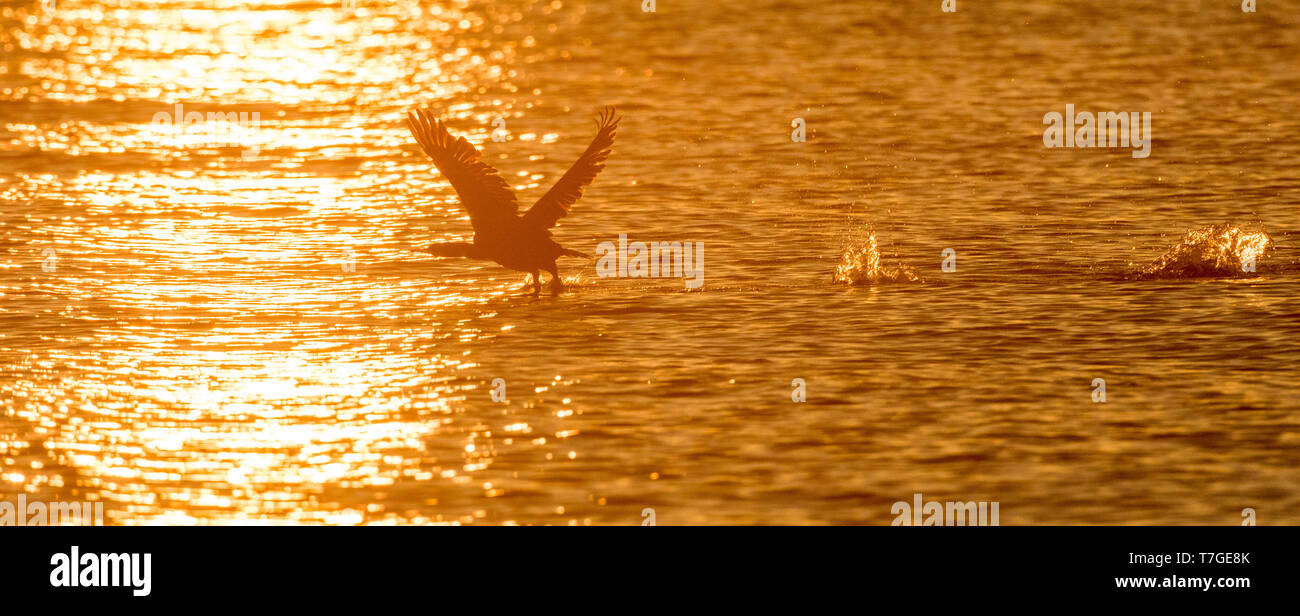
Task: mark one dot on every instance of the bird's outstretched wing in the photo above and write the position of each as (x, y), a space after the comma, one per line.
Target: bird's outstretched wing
(555, 204)
(483, 192)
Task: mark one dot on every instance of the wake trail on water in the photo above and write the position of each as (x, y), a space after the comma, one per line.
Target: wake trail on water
(1215, 251)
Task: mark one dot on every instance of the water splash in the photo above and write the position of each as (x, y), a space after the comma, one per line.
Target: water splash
(860, 265)
(1213, 251)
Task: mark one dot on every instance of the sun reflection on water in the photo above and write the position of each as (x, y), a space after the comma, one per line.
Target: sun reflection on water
(236, 338)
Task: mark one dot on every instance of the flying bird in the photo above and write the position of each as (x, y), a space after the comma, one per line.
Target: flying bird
(521, 243)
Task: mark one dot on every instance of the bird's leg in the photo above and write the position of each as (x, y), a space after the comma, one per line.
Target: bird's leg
(557, 285)
(537, 283)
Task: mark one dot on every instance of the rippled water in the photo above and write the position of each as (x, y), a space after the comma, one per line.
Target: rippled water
(241, 332)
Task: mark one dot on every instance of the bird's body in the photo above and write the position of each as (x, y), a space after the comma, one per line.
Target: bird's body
(521, 243)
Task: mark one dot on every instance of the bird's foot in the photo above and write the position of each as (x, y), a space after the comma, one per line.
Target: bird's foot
(557, 286)
(531, 285)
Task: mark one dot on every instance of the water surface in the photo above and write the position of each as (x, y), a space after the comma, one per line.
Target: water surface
(242, 334)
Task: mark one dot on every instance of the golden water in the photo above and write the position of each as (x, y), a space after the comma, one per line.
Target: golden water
(241, 332)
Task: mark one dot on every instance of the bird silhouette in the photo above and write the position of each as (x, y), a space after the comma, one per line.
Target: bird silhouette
(521, 243)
